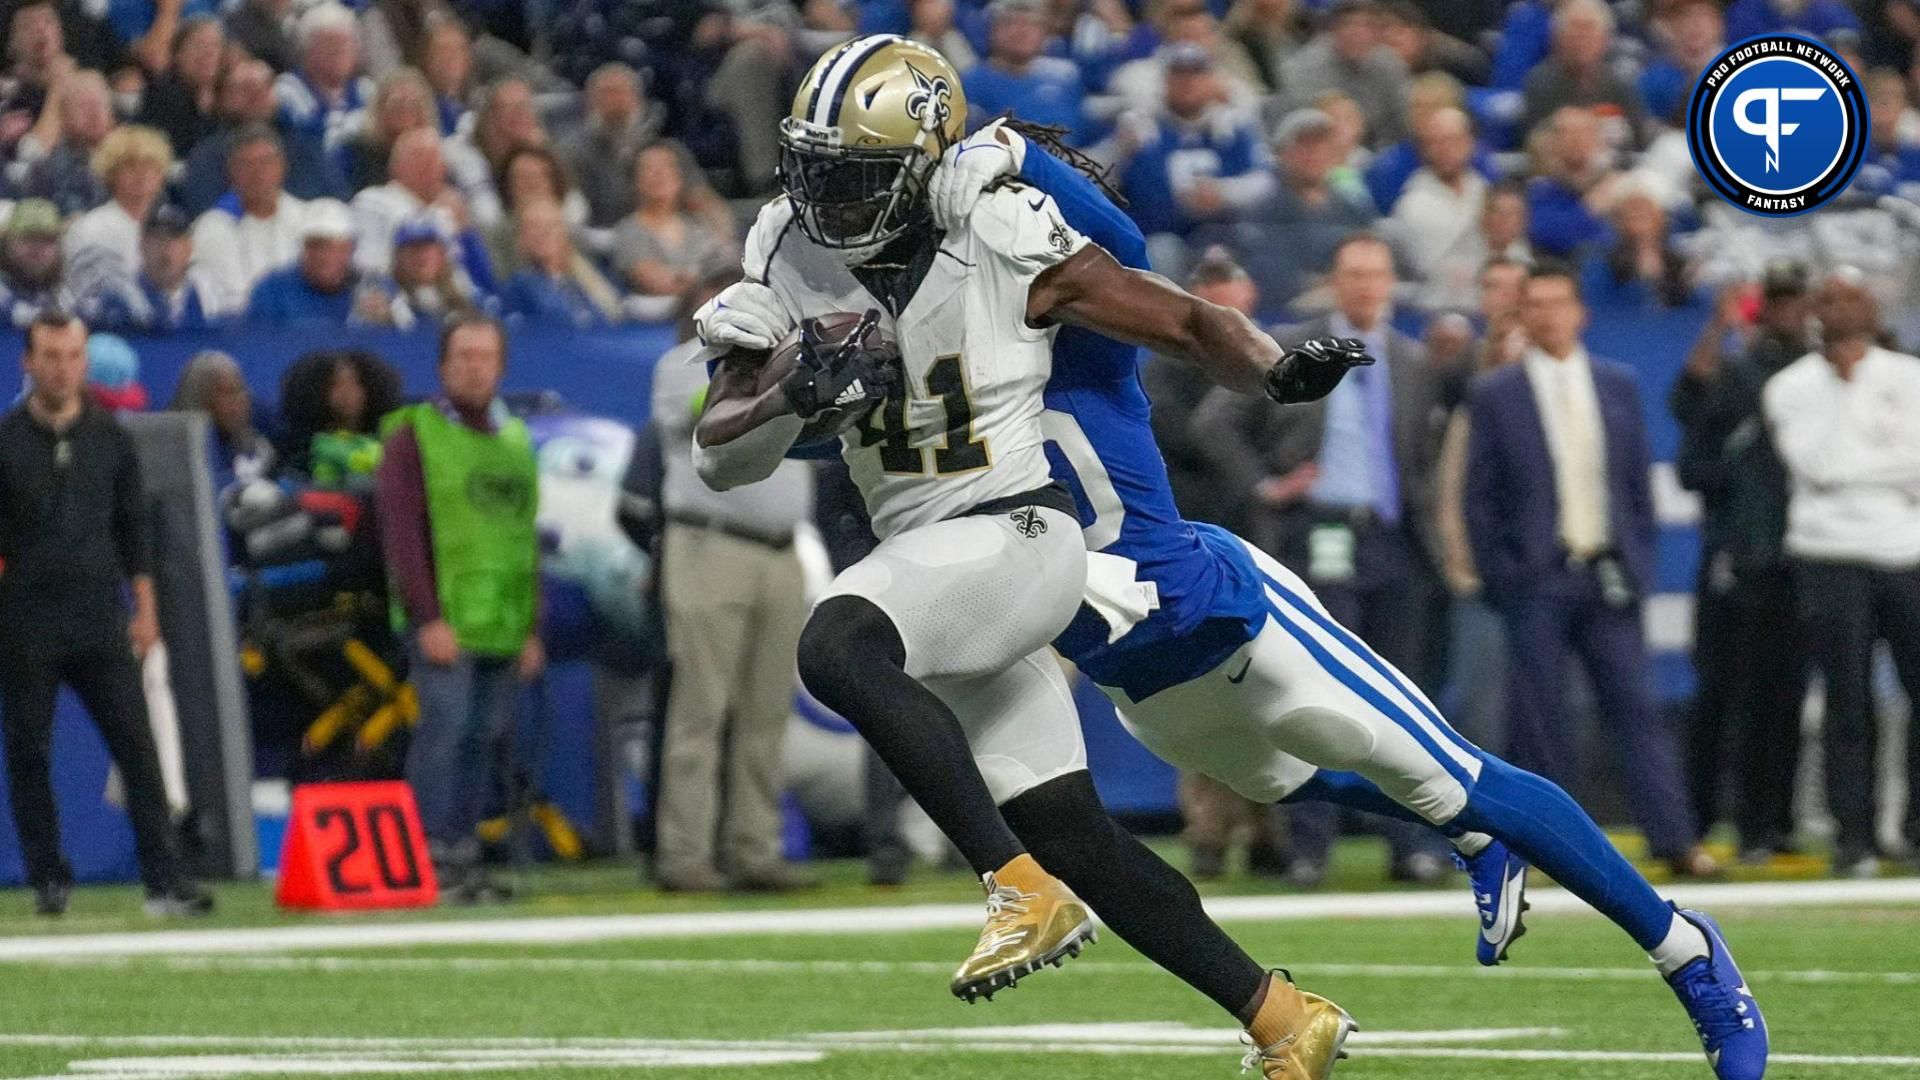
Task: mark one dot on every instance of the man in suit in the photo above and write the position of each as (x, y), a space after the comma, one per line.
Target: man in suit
(1559, 512)
(1343, 491)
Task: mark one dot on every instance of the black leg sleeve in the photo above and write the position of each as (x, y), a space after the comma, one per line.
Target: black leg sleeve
(1134, 891)
(853, 660)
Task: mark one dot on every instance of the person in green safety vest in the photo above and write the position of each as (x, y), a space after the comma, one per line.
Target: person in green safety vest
(457, 489)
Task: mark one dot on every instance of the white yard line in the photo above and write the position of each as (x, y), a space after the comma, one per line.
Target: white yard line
(234, 1056)
(560, 930)
(584, 965)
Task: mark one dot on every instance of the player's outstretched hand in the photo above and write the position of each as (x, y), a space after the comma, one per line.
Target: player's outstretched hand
(745, 315)
(968, 167)
(1310, 371)
(849, 374)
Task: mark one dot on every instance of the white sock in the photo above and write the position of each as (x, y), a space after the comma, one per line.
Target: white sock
(1471, 844)
(1684, 944)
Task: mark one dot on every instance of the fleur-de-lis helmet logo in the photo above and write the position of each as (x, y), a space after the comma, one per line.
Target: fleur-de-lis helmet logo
(931, 102)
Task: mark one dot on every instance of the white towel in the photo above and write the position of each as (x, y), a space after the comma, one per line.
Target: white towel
(1117, 595)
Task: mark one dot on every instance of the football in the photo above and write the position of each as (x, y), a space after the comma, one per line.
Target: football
(833, 330)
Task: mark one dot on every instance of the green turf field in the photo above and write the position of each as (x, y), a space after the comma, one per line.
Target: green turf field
(767, 994)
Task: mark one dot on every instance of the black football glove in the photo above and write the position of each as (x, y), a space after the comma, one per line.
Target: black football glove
(1310, 371)
(851, 375)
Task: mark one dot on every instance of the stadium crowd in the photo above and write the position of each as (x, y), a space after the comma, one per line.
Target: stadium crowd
(1384, 169)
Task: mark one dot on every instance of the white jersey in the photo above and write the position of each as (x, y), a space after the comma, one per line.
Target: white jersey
(966, 428)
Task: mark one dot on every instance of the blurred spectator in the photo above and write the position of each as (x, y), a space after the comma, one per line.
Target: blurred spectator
(37, 60)
(447, 62)
(732, 593)
(417, 180)
(1748, 650)
(113, 376)
(1505, 223)
(555, 284)
(166, 294)
(933, 27)
(30, 262)
(180, 101)
(332, 403)
(213, 385)
(1435, 225)
(319, 288)
(1502, 341)
(1198, 161)
(504, 121)
(132, 162)
(1641, 268)
(456, 492)
(1350, 153)
(533, 173)
(1569, 200)
(395, 32)
(65, 175)
(1268, 31)
(1351, 57)
(1891, 33)
(1407, 30)
(256, 228)
(1289, 239)
(1559, 510)
(1140, 85)
(1343, 491)
(1176, 387)
(246, 104)
(402, 101)
(264, 28)
(1577, 72)
(1815, 18)
(426, 284)
(599, 153)
(1842, 420)
(151, 29)
(1018, 77)
(75, 540)
(662, 250)
(1388, 170)
(1691, 33)
(1892, 162)
(325, 87)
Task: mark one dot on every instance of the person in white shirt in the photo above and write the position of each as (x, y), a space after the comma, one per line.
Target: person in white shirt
(418, 171)
(256, 227)
(132, 162)
(1435, 223)
(1843, 420)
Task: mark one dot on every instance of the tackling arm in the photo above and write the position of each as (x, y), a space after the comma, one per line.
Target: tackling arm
(1092, 290)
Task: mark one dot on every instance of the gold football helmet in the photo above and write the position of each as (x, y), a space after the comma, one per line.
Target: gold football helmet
(868, 126)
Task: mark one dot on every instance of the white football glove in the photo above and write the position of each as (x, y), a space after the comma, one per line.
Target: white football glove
(968, 167)
(746, 315)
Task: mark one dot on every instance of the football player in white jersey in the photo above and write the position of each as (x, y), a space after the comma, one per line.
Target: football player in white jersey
(935, 646)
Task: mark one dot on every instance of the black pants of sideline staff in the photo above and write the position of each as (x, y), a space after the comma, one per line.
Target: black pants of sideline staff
(100, 669)
(1847, 608)
(1750, 656)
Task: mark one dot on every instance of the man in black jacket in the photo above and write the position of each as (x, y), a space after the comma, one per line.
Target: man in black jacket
(73, 536)
(1750, 661)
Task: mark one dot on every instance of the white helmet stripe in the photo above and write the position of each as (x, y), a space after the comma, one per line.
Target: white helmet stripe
(836, 74)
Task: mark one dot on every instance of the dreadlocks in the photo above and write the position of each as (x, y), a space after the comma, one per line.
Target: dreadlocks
(1053, 139)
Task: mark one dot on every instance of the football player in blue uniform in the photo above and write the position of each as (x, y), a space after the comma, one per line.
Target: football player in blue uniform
(1223, 662)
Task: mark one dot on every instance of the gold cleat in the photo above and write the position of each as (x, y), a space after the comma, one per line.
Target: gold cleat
(1300, 1036)
(1032, 921)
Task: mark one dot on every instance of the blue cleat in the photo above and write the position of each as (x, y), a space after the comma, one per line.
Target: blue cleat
(1723, 1010)
(1499, 879)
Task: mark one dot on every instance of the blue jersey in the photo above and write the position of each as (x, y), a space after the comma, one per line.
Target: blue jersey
(1100, 443)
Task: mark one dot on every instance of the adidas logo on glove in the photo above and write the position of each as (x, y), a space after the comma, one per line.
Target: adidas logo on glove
(854, 392)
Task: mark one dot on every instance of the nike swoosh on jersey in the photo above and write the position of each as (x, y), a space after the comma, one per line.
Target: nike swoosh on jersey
(1041, 205)
(1238, 679)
